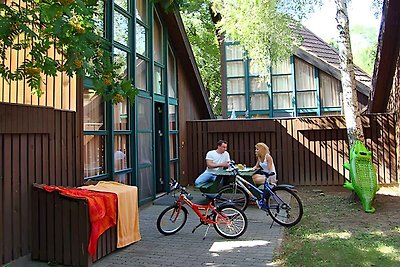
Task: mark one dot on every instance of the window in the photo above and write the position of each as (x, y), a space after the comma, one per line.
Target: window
(234, 52)
(142, 60)
(259, 89)
(144, 146)
(173, 141)
(141, 10)
(171, 74)
(158, 77)
(94, 141)
(330, 90)
(236, 80)
(107, 131)
(121, 24)
(237, 103)
(282, 85)
(305, 85)
(236, 86)
(173, 117)
(235, 69)
(121, 58)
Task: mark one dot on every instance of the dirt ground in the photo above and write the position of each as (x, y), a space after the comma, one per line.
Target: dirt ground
(387, 205)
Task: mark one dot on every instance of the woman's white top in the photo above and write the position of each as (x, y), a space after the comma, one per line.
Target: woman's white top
(264, 165)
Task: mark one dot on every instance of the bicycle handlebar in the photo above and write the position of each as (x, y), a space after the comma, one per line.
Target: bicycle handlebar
(176, 186)
(233, 167)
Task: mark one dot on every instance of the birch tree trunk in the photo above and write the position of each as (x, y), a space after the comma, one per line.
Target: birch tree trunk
(350, 103)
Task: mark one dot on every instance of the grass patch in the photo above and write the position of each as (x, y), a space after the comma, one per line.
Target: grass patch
(334, 232)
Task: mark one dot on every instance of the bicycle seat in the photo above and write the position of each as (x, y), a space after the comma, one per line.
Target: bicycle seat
(267, 173)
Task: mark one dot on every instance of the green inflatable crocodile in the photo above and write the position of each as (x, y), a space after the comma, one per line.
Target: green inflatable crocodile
(362, 174)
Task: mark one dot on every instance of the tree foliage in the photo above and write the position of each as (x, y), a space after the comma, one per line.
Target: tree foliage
(364, 42)
(264, 28)
(68, 26)
(201, 32)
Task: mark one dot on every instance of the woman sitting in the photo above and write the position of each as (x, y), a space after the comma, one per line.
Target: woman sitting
(265, 163)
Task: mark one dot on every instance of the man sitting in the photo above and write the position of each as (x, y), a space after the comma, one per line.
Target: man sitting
(215, 159)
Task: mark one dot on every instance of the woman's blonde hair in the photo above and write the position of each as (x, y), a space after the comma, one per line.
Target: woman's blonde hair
(263, 150)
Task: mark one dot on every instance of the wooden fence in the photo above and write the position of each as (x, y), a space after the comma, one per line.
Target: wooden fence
(306, 151)
(37, 145)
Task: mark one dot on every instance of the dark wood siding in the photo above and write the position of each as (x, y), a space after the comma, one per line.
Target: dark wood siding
(61, 230)
(37, 144)
(306, 151)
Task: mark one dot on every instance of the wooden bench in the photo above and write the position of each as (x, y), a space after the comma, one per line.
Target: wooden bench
(61, 230)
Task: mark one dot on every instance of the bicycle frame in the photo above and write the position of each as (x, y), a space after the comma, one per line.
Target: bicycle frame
(247, 186)
(209, 208)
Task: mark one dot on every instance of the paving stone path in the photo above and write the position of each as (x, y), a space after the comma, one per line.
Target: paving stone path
(254, 248)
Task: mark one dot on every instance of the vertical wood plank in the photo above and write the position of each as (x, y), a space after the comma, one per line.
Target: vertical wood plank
(38, 159)
(7, 206)
(69, 149)
(306, 144)
(301, 156)
(83, 223)
(283, 165)
(296, 169)
(318, 164)
(43, 226)
(279, 148)
(64, 165)
(200, 156)
(58, 148)
(16, 209)
(392, 150)
(79, 115)
(335, 166)
(324, 176)
(1, 194)
(329, 155)
(31, 180)
(290, 166)
(35, 224)
(50, 226)
(66, 226)
(74, 230)
(45, 158)
(59, 222)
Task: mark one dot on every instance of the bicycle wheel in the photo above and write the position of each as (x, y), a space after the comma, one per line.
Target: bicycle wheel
(171, 220)
(235, 195)
(284, 206)
(231, 222)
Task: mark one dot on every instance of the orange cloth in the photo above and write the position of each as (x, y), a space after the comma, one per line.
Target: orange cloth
(128, 211)
(102, 210)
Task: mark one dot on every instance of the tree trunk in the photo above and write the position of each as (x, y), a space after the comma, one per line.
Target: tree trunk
(350, 103)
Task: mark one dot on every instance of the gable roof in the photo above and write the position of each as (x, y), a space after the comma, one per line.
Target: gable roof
(318, 53)
(386, 57)
(183, 49)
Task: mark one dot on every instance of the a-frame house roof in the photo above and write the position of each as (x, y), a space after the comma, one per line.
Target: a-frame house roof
(318, 53)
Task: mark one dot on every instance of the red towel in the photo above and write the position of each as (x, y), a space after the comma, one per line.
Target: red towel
(102, 210)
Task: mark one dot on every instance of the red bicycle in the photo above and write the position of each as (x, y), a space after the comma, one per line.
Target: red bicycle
(228, 220)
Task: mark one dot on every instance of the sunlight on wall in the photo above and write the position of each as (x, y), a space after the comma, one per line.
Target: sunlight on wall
(231, 245)
(320, 236)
